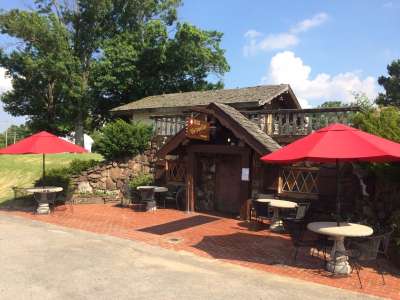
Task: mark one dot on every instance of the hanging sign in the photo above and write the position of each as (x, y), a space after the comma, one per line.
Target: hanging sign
(197, 129)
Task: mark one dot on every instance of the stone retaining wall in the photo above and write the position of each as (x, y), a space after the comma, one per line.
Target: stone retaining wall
(108, 182)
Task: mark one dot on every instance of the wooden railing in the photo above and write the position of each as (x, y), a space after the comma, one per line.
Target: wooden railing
(284, 125)
(168, 125)
(299, 122)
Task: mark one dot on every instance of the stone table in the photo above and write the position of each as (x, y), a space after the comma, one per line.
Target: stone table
(340, 265)
(277, 224)
(147, 195)
(43, 200)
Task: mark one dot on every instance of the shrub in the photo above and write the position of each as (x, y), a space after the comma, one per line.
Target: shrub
(57, 177)
(62, 176)
(120, 139)
(140, 179)
(77, 166)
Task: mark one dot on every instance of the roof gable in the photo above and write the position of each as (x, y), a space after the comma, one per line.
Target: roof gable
(240, 126)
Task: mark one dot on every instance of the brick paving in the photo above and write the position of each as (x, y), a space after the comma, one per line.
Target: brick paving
(216, 237)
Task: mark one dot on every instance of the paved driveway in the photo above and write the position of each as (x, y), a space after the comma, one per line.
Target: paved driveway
(42, 261)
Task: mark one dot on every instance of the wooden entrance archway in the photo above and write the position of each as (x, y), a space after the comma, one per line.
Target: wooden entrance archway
(244, 186)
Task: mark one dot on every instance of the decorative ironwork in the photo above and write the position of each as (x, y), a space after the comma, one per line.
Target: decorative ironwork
(298, 180)
(175, 171)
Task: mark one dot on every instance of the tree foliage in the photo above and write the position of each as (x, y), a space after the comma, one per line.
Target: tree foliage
(14, 134)
(132, 68)
(382, 121)
(79, 58)
(121, 139)
(391, 84)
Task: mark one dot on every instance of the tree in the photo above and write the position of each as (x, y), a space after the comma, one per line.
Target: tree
(13, 134)
(81, 57)
(156, 64)
(41, 70)
(381, 121)
(330, 104)
(391, 84)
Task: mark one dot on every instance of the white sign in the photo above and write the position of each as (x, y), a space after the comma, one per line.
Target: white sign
(245, 174)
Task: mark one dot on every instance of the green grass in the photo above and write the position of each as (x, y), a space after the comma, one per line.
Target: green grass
(24, 170)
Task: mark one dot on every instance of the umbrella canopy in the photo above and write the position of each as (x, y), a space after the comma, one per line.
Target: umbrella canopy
(42, 143)
(334, 143)
(337, 143)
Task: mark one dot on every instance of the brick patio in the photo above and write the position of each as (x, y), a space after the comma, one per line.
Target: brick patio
(216, 237)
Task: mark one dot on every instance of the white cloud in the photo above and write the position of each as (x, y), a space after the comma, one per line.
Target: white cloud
(388, 4)
(307, 24)
(5, 81)
(257, 41)
(270, 42)
(286, 67)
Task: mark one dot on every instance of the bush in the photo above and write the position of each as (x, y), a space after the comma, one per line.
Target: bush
(62, 176)
(121, 139)
(140, 179)
(77, 166)
(57, 177)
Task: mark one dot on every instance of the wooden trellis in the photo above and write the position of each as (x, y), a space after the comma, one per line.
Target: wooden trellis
(299, 182)
(176, 171)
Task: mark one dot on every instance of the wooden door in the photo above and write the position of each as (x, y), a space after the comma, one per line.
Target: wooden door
(227, 193)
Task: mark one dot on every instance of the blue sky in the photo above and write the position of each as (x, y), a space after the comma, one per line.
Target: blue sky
(324, 49)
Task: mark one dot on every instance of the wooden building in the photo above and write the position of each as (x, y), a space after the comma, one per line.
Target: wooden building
(211, 143)
(219, 162)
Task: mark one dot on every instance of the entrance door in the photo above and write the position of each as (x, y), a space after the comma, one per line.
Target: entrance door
(227, 192)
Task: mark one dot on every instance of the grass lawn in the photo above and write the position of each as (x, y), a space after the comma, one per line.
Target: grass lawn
(24, 170)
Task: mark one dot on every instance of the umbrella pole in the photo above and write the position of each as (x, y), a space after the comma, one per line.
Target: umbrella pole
(338, 204)
(44, 168)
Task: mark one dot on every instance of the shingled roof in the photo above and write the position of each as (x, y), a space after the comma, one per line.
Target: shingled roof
(241, 127)
(259, 95)
(262, 142)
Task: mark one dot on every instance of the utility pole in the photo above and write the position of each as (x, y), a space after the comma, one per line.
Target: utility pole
(15, 136)
(6, 138)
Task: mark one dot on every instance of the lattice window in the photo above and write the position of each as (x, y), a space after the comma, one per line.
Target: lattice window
(175, 171)
(298, 180)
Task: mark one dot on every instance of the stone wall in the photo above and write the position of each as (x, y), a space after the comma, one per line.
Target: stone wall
(108, 182)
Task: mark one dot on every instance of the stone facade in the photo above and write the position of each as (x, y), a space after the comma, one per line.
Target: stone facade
(108, 182)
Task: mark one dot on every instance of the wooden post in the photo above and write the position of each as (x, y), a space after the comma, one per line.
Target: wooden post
(245, 186)
(190, 177)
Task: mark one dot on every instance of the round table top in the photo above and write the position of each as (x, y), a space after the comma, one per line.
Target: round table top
(278, 203)
(45, 189)
(146, 187)
(263, 200)
(161, 189)
(344, 230)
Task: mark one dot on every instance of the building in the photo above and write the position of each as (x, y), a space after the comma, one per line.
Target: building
(211, 142)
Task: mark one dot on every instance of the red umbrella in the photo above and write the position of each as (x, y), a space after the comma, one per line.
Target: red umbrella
(337, 143)
(42, 143)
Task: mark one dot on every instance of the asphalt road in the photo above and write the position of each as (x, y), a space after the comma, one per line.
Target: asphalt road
(41, 261)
